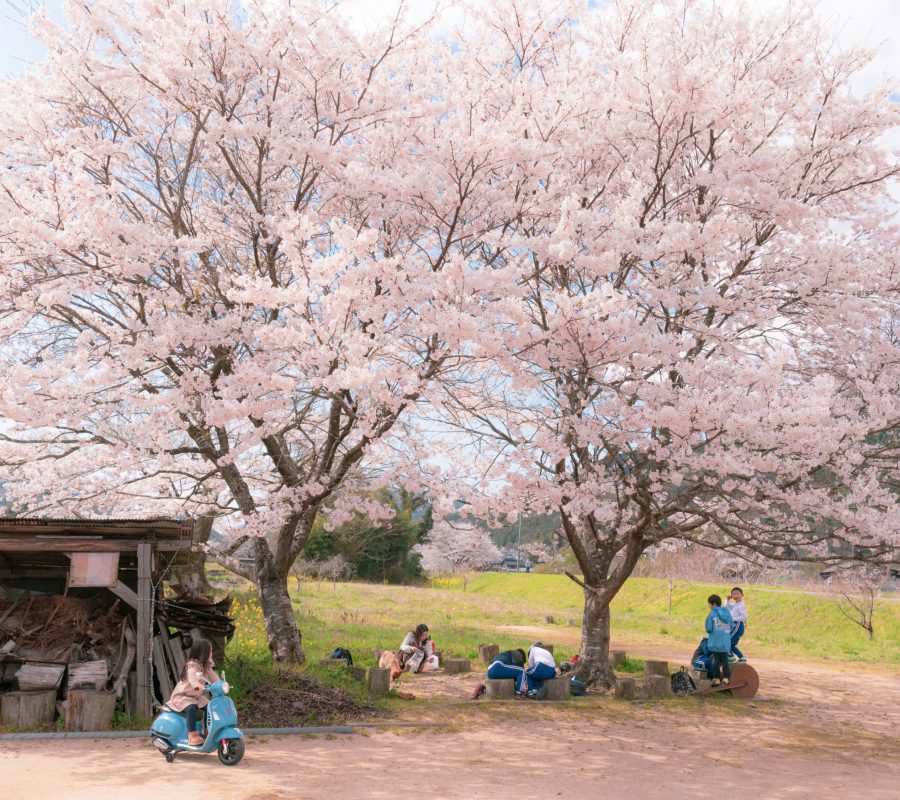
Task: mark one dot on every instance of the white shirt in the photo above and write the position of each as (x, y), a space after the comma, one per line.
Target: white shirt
(738, 610)
(537, 655)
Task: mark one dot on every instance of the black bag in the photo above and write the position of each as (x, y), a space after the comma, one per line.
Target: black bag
(342, 653)
(682, 683)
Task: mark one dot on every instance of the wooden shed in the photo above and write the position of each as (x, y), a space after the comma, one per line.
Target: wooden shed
(129, 557)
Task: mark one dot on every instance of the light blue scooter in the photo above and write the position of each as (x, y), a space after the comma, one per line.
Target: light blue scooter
(170, 731)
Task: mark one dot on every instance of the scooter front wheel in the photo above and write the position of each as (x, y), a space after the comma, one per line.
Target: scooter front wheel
(231, 751)
(170, 756)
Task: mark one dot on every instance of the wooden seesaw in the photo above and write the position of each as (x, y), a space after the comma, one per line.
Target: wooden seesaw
(744, 682)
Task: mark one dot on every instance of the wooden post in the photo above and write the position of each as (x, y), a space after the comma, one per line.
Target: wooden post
(660, 668)
(624, 689)
(617, 658)
(559, 688)
(500, 689)
(379, 680)
(455, 665)
(488, 652)
(358, 674)
(144, 699)
(658, 686)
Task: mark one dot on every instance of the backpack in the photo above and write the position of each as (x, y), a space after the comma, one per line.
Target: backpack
(682, 683)
(342, 653)
(577, 687)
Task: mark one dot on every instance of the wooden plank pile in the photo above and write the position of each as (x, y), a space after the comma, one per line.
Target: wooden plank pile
(76, 656)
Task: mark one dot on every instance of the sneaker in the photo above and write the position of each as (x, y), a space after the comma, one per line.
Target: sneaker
(726, 681)
(732, 658)
(716, 682)
(742, 660)
(194, 739)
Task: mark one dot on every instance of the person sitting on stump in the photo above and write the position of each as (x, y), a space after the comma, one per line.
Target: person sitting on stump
(188, 696)
(701, 659)
(718, 628)
(509, 664)
(541, 667)
(416, 653)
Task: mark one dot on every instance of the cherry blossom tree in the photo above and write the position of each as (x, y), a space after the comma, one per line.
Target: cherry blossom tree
(636, 264)
(702, 340)
(234, 255)
(457, 548)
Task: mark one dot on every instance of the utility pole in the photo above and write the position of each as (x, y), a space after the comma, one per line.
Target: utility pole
(518, 542)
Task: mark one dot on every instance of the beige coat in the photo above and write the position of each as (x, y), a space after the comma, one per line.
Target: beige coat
(189, 690)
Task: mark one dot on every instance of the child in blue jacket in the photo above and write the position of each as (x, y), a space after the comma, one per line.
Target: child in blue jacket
(718, 629)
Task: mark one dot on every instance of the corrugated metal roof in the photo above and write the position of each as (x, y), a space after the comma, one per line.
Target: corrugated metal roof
(100, 521)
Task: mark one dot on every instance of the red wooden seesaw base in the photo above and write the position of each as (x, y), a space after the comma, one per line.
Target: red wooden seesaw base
(744, 682)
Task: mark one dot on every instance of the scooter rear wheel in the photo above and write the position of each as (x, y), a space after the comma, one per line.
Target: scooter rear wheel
(231, 751)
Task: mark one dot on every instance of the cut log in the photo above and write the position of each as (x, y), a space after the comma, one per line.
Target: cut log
(33, 676)
(452, 666)
(87, 675)
(27, 710)
(379, 680)
(559, 688)
(660, 668)
(617, 658)
(488, 652)
(548, 620)
(658, 686)
(624, 689)
(500, 689)
(90, 711)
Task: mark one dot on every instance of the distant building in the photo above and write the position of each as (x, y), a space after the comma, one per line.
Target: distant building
(509, 563)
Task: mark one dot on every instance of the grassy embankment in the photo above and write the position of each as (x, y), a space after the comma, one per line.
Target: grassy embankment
(363, 617)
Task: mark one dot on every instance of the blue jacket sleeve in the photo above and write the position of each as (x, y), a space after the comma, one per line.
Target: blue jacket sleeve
(709, 622)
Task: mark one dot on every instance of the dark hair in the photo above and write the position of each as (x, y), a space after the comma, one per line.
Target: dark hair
(714, 599)
(521, 652)
(537, 644)
(201, 651)
(420, 629)
(738, 589)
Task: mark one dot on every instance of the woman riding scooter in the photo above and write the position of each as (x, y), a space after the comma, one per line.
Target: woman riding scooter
(188, 695)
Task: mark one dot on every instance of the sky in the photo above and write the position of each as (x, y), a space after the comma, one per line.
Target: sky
(875, 22)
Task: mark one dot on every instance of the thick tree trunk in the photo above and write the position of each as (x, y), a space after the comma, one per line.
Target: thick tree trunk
(275, 600)
(190, 573)
(593, 666)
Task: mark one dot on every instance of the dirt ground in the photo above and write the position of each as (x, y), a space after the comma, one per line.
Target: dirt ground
(812, 732)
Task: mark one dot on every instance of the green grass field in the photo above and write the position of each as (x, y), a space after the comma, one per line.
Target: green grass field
(363, 617)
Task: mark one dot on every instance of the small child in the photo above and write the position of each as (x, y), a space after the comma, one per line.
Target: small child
(718, 629)
(188, 696)
(738, 609)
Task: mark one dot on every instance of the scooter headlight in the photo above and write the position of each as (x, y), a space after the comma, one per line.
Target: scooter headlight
(225, 687)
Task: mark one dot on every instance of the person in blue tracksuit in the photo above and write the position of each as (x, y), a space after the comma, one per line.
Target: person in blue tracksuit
(701, 658)
(509, 664)
(541, 667)
(718, 630)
